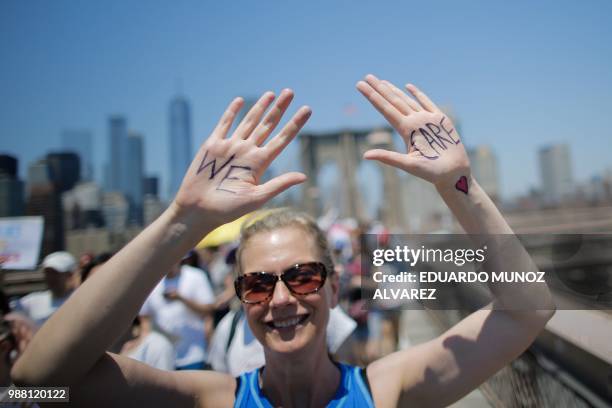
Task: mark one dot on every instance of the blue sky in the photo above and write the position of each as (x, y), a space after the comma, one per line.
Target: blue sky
(518, 74)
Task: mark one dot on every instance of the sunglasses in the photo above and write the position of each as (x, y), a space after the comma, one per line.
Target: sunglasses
(300, 279)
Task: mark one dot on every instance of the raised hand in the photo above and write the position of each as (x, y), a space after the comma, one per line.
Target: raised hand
(434, 149)
(222, 182)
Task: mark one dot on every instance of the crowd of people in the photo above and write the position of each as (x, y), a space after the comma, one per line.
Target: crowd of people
(192, 319)
(296, 284)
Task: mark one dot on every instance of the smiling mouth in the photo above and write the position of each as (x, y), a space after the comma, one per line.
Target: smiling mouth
(288, 322)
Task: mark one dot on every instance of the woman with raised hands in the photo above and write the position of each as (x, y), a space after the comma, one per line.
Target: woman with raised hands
(285, 281)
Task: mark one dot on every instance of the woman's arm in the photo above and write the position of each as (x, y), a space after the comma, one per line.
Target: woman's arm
(441, 371)
(221, 184)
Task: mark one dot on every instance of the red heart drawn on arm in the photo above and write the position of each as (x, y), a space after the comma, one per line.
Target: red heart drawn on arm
(462, 184)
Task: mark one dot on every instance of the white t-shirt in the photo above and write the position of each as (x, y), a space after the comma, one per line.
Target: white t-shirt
(185, 328)
(38, 306)
(154, 350)
(245, 353)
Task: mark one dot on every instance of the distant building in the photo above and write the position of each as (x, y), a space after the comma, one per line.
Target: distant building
(151, 186)
(83, 206)
(38, 173)
(8, 165)
(44, 198)
(595, 191)
(134, 177)
(11, 196)
(485, 170)
(115, 208)
(98, 240)
(179, 141)
(556, 173)
(11, 188)
(117, 154)
(90, 240)
(607, 182)
(64, 170)
(80, 142)
(106, 176)
(152, 208)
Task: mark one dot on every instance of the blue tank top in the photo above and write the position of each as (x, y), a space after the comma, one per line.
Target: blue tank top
(352, 392)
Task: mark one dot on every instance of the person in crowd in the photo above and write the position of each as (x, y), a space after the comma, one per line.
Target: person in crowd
(149, 347)
(16, 331)
(223, 294)
(179, 307)
(85, 259)
(7, 346)
(218, 266)
(285, 283)
(7, 342)
(94, 265)
(4, 303)
(62, 278)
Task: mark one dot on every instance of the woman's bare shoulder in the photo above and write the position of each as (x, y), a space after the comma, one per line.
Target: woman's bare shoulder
(210, 388)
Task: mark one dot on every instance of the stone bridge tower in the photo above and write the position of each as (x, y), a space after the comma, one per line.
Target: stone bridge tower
(346, 149)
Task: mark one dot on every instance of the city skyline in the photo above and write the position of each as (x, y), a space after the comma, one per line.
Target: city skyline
(480, 155)
(102, 177)
(519, 76)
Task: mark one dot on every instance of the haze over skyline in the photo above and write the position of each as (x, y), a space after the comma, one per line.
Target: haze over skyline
(517, 75)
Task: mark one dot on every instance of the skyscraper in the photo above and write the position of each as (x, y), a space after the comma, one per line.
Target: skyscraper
(38, 174)
(44, 199)
(152, 207)
(179, 142)
(117, 154)
(134, 176)
(151, 186)
(556, 173)
(8, 165)
(11, 188)
(484, 169)
(64, 170)
(80, 142)
(47, 179)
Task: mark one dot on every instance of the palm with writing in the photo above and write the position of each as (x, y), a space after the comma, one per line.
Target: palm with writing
(434, 150)
(222, 182)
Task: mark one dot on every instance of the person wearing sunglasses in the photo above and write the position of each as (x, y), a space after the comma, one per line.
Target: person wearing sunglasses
(285, 282)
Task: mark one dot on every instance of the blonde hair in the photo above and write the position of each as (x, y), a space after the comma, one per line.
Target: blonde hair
(281, 218)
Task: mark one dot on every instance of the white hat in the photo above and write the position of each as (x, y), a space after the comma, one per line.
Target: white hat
(60, 261)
